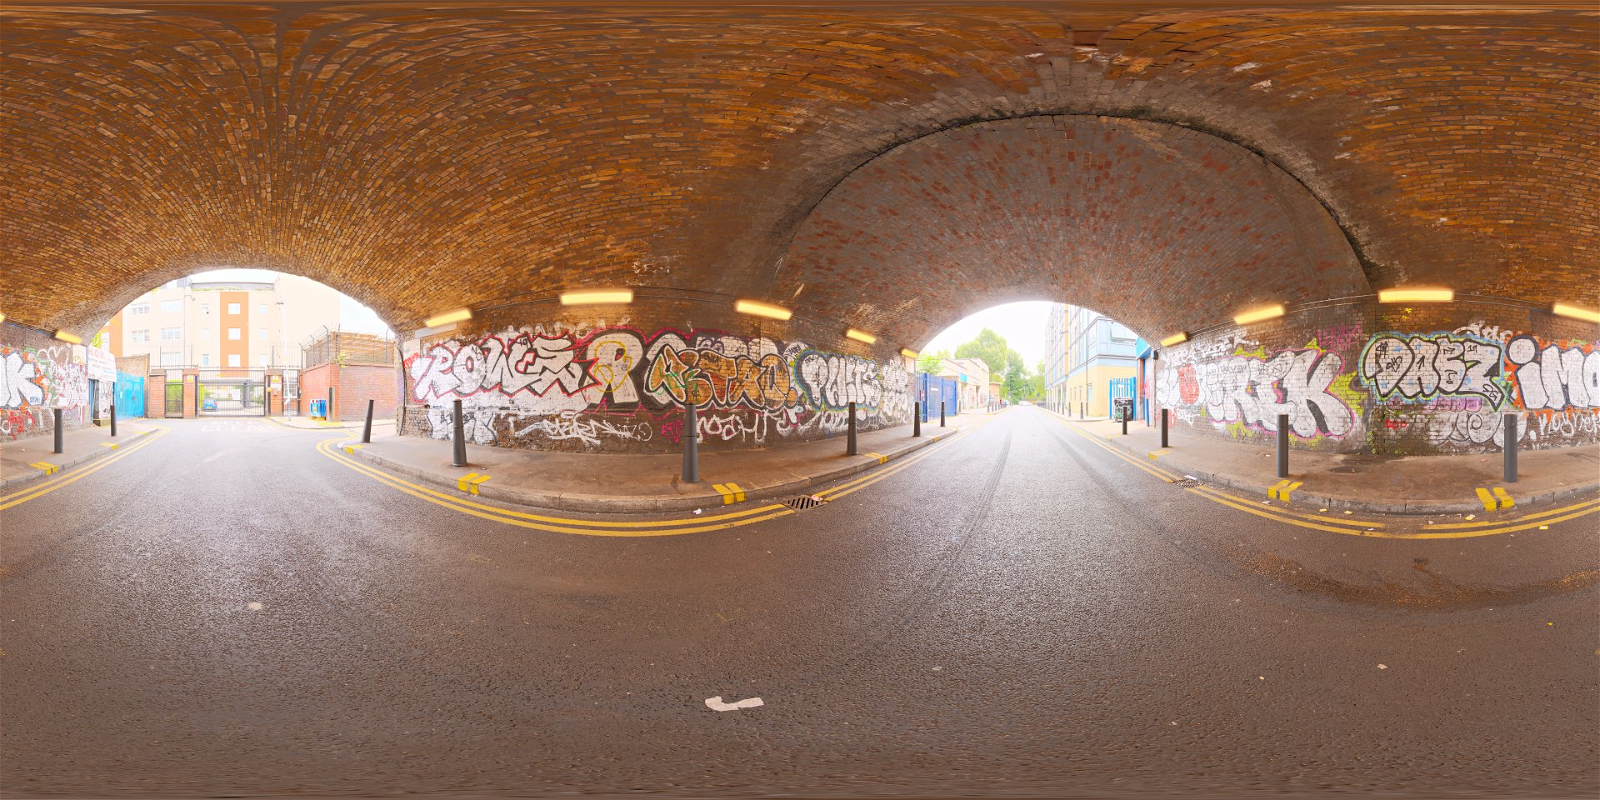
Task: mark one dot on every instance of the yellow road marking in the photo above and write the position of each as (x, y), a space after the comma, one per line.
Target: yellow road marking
(882, 459)
(1486, 499)
(112, 445)
(1283, 494)
(49, 469)
(352, 448)
(24, 495)
(878, 475)
(595, 527)
(1505, 499)
(1452, 530)
(1272, 491)
(472, 485)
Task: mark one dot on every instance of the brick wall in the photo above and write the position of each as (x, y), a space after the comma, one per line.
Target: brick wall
(1393, 379)
(538, 376)
(314, 384)
(358, 383)
(41, 374)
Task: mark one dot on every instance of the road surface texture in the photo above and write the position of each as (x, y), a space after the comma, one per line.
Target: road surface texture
(228, 610)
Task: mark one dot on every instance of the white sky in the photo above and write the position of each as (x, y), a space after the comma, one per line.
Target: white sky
(352, 315)
(1021, 324)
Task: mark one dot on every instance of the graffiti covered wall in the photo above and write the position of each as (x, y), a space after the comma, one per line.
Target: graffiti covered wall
(1395, 382)
(623, 389)
(38, 375)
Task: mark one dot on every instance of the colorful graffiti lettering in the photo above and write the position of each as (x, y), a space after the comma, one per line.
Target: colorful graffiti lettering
(1434, 365)
(34, 381)
(1254, 389)
(1554, 376)
(620, 385)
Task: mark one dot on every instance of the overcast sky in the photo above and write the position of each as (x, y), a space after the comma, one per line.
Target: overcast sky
(352, 315)
(1021, 324)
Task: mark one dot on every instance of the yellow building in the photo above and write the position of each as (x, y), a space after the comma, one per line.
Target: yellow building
(1101, 362)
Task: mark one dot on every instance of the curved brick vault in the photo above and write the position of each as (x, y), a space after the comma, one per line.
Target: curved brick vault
(421, 159)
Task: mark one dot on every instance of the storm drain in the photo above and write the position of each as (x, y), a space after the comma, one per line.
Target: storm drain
(1186, 481)
(804, 502)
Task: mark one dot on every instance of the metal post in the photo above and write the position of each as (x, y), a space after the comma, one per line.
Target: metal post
(916, 419)
(1511, 448)
(1283, 445)
(941, 413)
(460, 433)
(850, 442)
(691, 446)
(366, 433)
(1164, 428)
(327, 413)
(1124, 416)
(59, 432)
(113, 419)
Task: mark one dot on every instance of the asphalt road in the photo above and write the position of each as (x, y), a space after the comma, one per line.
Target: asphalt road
(1019, 613)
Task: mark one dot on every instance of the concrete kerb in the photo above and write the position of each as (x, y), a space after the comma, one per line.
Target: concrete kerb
(65, 462)
(706, 499)
(1172, 460)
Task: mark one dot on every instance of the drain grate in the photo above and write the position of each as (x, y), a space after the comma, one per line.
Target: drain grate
(1187, 481)
(804, 502)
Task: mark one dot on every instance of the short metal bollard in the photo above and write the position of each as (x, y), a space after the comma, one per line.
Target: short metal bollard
(850, 435)
(113, 420)
(328, 412)
(460, 433)
(1511, 448)
(916, 420)
(59, 432)
(1164, 427)
(366, 432)
(941, 413)
(691, 446)
(1283, 445)
(1124, 416)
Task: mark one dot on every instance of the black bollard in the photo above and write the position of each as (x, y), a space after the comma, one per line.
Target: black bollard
(941, 413)
(366, 433)
(850, 441)
(1164, 428)
(1511, 449)
(691, 446)
(460, 436)
(113, 420)
(59, 432)
(916, 420)
(1124, 416)
(327, 413)
(1283, 445)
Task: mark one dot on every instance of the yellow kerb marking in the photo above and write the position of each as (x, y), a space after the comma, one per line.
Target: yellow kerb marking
(1283, 494)
(882, 459)
(1272, 491)
(1505, 499)
(472, 485)
(112, 445)
(1486, 499)
(461, 482)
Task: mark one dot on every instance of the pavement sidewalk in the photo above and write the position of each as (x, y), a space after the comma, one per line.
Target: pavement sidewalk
(79, 446)
(1359, 482)
(308, 423)
(620, 483)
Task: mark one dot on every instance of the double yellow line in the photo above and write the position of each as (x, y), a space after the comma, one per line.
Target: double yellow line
(67, 477)
(586, 527)
(1343, 523)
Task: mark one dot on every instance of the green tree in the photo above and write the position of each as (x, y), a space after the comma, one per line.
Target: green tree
(929, 362)
(991, 348)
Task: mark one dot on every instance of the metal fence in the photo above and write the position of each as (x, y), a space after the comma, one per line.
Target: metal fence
(347, 347)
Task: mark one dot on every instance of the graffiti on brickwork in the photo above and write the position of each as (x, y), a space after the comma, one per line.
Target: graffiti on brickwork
(1254, 388)
(1339, 338)
(1552, 375)
(1429, 366)
(619, 385)
(33, 381)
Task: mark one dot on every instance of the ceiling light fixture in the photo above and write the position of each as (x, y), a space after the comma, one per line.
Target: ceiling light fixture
(1176, 338)
(448, 317)
(861, 336)
(909, 353)
(1259, 314)
(1416, 296)
(587, 297)
(1564, 309)
(760, 309)
(68, 338)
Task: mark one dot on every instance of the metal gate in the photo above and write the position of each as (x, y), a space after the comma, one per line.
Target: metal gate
(233, 393)
(1121, 389)
(933, 392)
(174, 400)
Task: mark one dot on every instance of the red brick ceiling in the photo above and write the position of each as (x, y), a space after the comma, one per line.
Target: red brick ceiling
(425, 157)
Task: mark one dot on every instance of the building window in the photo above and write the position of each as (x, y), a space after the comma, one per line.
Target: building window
(233, 359)
(141, 308)
(205, 359)
(171, 359)
(261, 334)
(142, 335)
(261, 361)
(171, 334)
(169, 306)
(233, 333)
(205, 308)
(233, 308)
(205, 334)
(261, 308)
